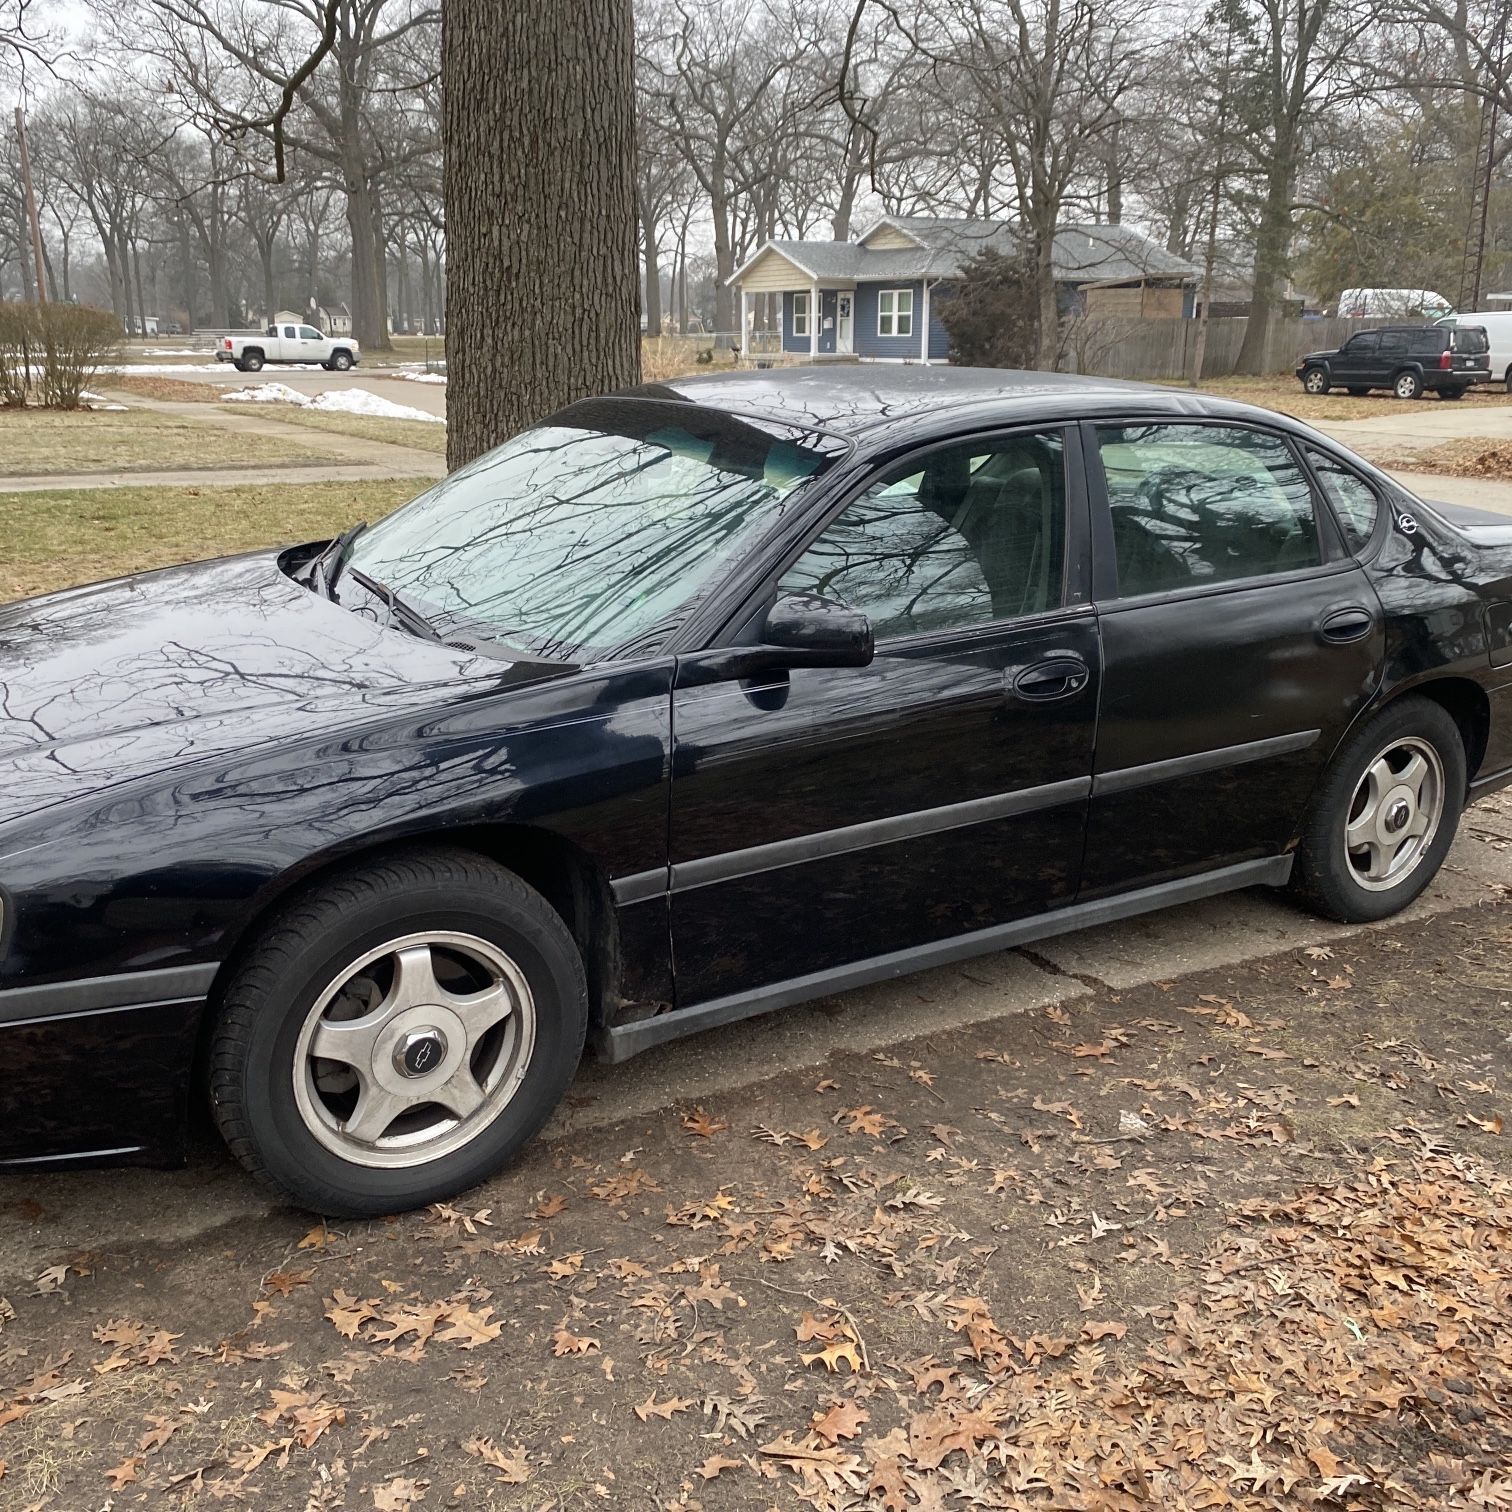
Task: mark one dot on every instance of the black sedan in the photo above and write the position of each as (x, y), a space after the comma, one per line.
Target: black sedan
(691, 702)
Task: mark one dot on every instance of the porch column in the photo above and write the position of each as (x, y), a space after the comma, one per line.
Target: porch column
(924, 323)
(814, 322)
(743, 335)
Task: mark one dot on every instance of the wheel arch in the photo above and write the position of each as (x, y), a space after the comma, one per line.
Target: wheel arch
(1461, 698)
(563, 873)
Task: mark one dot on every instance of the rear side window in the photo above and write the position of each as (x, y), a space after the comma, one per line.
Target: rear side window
(1196, 505)
(1470, 339)
(1354, 501)
(1393, 343)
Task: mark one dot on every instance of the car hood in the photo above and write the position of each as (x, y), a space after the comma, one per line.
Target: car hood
(103, 684)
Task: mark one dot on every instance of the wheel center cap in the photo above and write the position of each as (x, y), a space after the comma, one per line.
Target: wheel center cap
(1397, 816)
(420, 1052)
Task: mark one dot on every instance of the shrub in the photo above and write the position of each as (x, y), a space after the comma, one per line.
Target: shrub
(993, 314)
(18, 334)
(52, 352)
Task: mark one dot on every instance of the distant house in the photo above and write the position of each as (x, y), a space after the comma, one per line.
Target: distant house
(878, 298)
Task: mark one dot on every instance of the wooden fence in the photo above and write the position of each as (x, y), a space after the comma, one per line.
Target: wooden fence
(1163, 349)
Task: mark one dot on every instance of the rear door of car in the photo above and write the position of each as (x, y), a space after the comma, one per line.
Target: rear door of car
(828, 816)
(1240, 639)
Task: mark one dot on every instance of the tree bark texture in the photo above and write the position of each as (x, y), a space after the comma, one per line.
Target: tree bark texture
(542, 277)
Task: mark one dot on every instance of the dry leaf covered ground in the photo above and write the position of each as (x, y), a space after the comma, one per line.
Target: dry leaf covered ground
(1241, 1240)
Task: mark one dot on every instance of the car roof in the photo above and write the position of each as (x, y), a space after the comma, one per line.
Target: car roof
(850, 399)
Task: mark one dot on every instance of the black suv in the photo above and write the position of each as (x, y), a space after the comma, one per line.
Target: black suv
(1409, 360)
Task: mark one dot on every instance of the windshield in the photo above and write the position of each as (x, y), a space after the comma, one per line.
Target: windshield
(594, 534)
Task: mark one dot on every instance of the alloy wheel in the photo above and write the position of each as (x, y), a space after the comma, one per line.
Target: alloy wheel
(1406, 387)
(414, 1049)
(1395, 814)
(1315, 382)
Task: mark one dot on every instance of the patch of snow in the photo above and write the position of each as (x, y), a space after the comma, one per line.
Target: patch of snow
(424, 377)
(98, 402)
(165, 367)
(340, 401)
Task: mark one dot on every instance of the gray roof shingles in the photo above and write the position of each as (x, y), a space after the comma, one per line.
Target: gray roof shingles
(1084, 253)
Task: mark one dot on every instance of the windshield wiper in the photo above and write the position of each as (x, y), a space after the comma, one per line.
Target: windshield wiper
(336, 554)
(406, 614)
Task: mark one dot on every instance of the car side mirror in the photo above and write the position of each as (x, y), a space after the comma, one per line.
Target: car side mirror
(800, 630)
(818, 632)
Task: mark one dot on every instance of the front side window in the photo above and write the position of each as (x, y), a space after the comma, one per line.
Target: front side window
(800, 314)
(309, 333)
(967, 535)
(1354, 501)
(594, 534)
(1364, 345)
(1196, 505)
(895, 312)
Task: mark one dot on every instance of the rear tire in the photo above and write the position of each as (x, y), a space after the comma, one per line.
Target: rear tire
(252, 362)
(1315, 380)
(451, 999)
(1407, 386)
(1401, 772)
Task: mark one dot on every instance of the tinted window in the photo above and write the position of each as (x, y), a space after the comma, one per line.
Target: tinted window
(1469, 339)
(967, 535)
(1354, 501)
(1364, 344)
(1200, 504)
(289, 333)
(1427, 341)
(1393, 343)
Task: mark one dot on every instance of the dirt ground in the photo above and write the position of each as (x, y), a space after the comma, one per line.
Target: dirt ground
(1239, 1240)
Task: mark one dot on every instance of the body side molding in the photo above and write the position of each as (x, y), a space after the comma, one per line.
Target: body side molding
(620, 1043)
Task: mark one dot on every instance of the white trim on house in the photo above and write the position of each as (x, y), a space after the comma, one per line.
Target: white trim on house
(814, 326)
(897, 314)
(805, 315)
(924, 327)
(892, 225)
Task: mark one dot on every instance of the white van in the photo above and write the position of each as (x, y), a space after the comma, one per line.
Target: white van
(1497, 325)
(1393, 304)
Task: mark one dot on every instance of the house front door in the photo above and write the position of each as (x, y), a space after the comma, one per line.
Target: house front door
(844, 320)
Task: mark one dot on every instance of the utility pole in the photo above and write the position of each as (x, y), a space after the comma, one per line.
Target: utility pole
(39, 266)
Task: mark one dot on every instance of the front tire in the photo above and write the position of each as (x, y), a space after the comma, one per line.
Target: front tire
(1407, 386)
(1315, 380)
(341, 361)
(397, 1034)
(1384, 816)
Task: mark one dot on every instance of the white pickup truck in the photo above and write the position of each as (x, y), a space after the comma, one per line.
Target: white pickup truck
(288, 343)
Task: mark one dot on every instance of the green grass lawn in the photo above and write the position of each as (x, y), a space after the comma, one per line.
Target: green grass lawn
(52, 441)
(423, 435)
(59, 539)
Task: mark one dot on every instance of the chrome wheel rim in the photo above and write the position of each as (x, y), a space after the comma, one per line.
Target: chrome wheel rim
(1395, 814)
(1404, 388)
(414, 1049)
(1314, 383)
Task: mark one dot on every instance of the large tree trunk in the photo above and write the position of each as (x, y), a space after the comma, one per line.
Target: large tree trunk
(369, 323)
(1272, 246)
(542, 286)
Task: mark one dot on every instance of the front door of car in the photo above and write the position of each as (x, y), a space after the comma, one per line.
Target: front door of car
(826, 816)
(1239, 641)
(1358, 360)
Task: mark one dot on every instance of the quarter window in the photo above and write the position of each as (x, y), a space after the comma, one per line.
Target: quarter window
(1354, 501)
(800, 315)
(968, 535)
(895, 312)
(1195, 505)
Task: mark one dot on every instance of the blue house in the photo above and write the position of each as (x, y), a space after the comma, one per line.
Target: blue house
(877, 299)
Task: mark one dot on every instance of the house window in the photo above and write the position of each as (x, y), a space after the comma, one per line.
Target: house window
(800, 315)
(895, 312)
